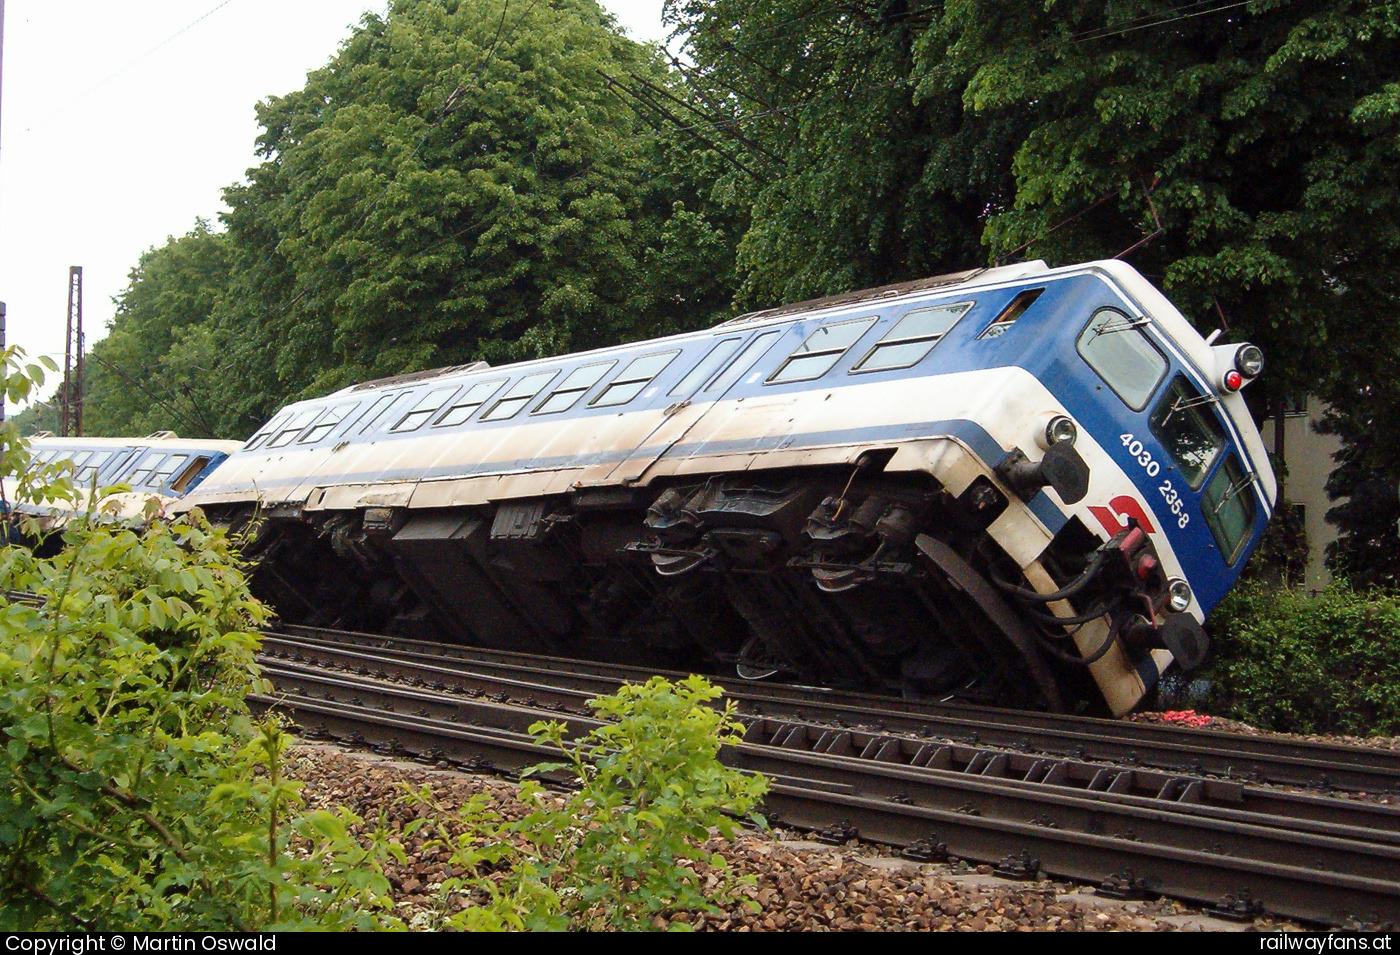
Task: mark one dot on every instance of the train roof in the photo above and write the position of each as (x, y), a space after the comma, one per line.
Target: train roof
(160, 439)
(971, 277)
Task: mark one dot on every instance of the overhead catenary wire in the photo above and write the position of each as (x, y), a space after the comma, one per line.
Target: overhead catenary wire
(88, 91)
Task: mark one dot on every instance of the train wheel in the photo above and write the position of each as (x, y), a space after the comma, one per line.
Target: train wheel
(756, 661)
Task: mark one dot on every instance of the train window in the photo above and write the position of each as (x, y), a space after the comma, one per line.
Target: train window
(821, 351)
(1014, 310)
(751, 353)
(327, 422)
(144, 468)
(288, 432)
(912, 338)
(1228, 506)
(89, 466)
(519, 395)
(473, 398)
(371, 414)
(707, 367)
(1188, 429)
(632, 379)
(382, 407)
(429, 405)
(573, 387)
(167, 469)
(193, 470)
(118, 465)
(267, 430)
(1116, 347)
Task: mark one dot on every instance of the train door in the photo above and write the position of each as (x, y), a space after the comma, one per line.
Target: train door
(692, 397)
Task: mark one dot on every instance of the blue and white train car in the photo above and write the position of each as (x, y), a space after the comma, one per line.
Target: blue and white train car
(1022, 485)
(163, 466)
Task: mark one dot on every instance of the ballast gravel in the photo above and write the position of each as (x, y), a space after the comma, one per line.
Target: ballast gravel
(800, 885)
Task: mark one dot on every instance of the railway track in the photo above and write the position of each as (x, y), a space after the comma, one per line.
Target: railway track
(884, 770)
(1192, 751)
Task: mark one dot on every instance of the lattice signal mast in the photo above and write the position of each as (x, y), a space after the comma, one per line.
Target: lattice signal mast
(71, 420)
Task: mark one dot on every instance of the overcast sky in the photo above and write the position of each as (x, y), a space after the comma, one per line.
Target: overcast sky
(121, 123)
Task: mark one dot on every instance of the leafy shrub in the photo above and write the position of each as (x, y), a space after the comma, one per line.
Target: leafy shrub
(1287, 660)
(628, 844)
(136, 792)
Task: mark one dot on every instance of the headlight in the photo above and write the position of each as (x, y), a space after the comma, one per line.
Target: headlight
(1060, 430)
(1249, 359)
(1178, 595)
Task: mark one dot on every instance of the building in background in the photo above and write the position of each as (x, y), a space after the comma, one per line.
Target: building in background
(1309, 458)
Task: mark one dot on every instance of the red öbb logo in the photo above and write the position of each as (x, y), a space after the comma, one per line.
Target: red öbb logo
(1114, 518)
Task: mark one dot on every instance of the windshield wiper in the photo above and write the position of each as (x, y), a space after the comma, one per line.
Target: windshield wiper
(1185, 404)
(1235, 489)
(1113, 325)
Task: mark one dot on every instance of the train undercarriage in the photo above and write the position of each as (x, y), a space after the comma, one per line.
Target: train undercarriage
(846, 577)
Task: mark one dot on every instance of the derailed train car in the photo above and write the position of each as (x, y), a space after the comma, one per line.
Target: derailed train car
(1020, 485)
(162, 465)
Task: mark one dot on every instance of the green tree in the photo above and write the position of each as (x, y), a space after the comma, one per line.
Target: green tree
(153, 370)
(1240, 154)
(466, 179)
(1244, 153)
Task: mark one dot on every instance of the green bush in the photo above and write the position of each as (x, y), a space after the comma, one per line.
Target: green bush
(1326, 663)
(136, 792)
(625, 849)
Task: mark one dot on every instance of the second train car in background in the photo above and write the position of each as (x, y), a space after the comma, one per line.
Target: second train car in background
(161, 465)
(1021, 485)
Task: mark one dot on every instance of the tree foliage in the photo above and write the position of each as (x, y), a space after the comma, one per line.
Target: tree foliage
(1242, 143)
(855, 174)
(1240, 154)
(152, 371)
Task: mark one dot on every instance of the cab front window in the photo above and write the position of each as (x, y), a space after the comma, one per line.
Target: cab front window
(1228, 504)
(1187, 427)
(1118, 349)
